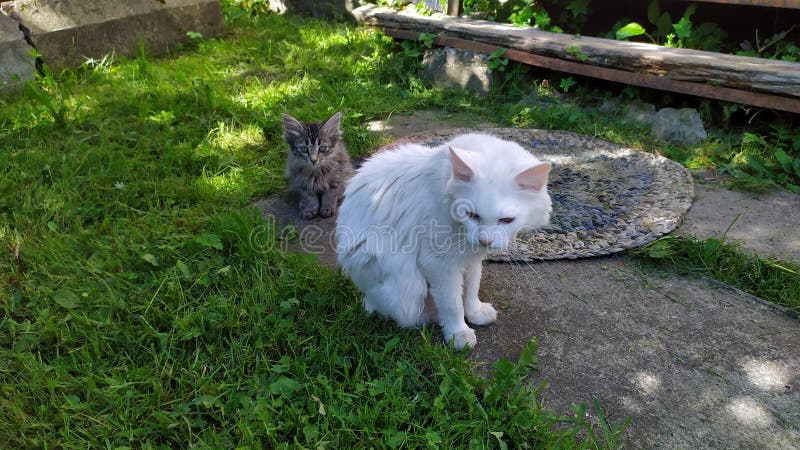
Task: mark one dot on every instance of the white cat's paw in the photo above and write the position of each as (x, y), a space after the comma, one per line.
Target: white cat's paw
(484, 314)
(465, 338)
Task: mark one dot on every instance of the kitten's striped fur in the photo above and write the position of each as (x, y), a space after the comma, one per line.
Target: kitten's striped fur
(318, 166)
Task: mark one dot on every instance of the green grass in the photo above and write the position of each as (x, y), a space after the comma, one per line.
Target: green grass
(770, 279)
(145, 306)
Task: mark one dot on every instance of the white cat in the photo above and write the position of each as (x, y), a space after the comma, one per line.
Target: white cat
(418, 222)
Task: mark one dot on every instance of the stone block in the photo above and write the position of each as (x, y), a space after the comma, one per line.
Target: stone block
(454, 68)
(67, 32)
(680, 126)
(315, 8)
(17, 64)
(639, 112)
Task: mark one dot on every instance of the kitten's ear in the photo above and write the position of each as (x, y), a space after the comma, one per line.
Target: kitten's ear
(331, 127)
(533, 178)
(292, 128)
(460, 169)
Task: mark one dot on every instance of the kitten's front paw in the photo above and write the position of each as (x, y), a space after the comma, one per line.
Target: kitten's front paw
(484, 314)
(327, 212)
(308, 213)
(465, 338)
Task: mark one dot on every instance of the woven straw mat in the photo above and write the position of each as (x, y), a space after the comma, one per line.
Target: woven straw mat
(606, 198)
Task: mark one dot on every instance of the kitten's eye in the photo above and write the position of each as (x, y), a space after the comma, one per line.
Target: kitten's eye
(474, 216)
(505, 220)
(323, 148)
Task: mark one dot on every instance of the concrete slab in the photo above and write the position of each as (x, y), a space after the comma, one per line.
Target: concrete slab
(696, 364)
(401, 125)
(66, 32)
(769, 223)
(17, 64)
(693, 362)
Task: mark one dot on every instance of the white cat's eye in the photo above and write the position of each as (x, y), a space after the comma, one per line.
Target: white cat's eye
(323, 148)
(505, 220)
(474, 216)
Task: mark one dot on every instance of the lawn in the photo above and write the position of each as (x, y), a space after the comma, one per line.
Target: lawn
(145, 305)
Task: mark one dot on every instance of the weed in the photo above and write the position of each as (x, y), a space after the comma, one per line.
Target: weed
(682, 33)
(548, 15)
(632, 29)
(571, 16)
(495, 60)
(566, 83)
(422, 9)
(45, 93)
(576, 53)
(529, 12)
(612, 433)
(488, 8)
(772, 280)
(426, 39)
(414, 49)
(771, 159)
(411, 49)
(784, 49)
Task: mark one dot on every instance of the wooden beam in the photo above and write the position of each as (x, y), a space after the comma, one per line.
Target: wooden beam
(732, 71)
(619, 76)
(791, 4)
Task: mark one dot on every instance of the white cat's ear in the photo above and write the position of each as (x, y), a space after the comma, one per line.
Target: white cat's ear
(460, 169)
(533, 178)
(292, 128)
(331, 126)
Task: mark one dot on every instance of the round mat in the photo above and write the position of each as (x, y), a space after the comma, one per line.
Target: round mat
(606, 198)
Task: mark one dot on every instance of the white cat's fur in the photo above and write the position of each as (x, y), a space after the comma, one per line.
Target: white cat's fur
(407, 229)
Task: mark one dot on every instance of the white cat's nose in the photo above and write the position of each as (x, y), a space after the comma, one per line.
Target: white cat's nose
(484, 238)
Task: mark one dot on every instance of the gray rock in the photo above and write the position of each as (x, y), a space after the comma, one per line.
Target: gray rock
(639, 112)
(453, 68)
(680, 126)
(67, 32)
(17, 64)
(608, 106)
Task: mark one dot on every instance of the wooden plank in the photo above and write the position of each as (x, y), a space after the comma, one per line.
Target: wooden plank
(792, 4)
(740, 72)
(619, 76)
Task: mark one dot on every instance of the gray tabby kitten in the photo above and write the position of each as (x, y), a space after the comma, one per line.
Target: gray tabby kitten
(318, 166)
